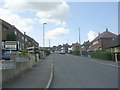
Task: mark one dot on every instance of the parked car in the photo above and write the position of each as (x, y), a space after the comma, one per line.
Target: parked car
(6, 56)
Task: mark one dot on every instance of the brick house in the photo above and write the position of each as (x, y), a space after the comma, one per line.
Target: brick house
(115, 45)
(23, 41)
(102, 41)
(84, 48)
(66, 47)
(75, 46)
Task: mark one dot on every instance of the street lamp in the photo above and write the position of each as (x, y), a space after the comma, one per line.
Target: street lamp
(80, 44)
(43, 34)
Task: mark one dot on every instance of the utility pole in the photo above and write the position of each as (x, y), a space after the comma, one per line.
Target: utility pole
(49, 43)
(44, 34)
(79, 35)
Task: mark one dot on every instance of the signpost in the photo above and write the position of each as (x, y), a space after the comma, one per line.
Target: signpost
(10, 45)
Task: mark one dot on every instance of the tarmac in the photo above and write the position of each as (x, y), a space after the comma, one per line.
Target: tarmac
(39, 76)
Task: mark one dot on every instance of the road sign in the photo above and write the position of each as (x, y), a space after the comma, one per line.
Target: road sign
(10, 45)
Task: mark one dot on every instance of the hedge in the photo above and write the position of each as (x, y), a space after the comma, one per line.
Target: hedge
(74, 53)
(105, 55)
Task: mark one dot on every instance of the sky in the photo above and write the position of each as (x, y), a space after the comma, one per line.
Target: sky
(63, 19)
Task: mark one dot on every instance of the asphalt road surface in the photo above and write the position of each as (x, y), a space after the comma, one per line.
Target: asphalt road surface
(81, 72)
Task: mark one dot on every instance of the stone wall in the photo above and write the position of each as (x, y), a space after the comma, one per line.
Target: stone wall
(16, 66)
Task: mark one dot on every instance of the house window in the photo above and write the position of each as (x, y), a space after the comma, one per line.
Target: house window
(22, 38)
(26, 39)
(89, 46)
(95, 42)
(15, 32)
(82, 47)
(4, 29)
(23, 45)
(113, 39)
(19, 34)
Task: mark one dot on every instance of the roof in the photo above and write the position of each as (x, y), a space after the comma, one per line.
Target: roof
(105, 34)
(87, 43)
(75, 44)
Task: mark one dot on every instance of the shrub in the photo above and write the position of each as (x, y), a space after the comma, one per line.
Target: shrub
(106, 55)
(24, 53)
(74, 52)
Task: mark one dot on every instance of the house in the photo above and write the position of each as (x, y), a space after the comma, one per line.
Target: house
(115, 45)
(14, 38)
(56, 49)
(102, 41)
(84, 48)
(65, 47)
(75, 46)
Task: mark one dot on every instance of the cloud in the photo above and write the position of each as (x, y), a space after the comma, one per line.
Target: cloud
(23, 24)
(91, 35)
(49, 12)
(56, 33)
(56, 15)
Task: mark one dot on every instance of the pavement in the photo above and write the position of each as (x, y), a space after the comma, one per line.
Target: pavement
(39, 76)
(82, 72)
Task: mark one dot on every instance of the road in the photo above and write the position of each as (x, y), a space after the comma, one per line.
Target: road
(81, 72)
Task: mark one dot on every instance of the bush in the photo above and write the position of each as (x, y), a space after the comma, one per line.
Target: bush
(24, 53)
(74, 53)
(106, 55)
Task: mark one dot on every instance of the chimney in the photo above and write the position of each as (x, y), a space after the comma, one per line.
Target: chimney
(98, 33)
(24, 33)
(106, 29)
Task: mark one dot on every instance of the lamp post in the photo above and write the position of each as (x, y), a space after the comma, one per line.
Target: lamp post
(44, 34)
(80, 44)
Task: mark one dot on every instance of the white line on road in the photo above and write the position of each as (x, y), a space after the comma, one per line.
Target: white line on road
(51, 77)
